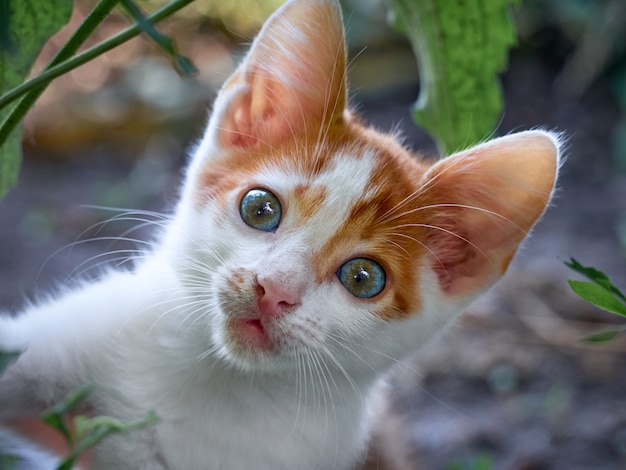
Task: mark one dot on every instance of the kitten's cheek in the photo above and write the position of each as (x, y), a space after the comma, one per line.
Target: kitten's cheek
(249, 334)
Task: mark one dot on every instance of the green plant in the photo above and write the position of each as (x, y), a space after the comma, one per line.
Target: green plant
(25, 26)
(601, 292)
(6, 359)
(83, 433)
(460, 47)
(482, 461)
(80, 432)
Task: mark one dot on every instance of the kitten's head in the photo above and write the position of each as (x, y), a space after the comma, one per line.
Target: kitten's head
(303, 235)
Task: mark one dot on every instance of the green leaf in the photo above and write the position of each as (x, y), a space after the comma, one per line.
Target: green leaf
(72, 401)
(596, 276)
(6, 359)
(25, 27)
(599, 296)
(460, 47)
(92, 431)
(603, 336)
(53, 416)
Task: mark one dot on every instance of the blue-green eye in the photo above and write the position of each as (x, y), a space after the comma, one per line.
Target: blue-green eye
(260, 209)
(362, 277)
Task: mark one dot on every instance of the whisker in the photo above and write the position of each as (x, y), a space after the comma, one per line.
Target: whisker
(429, 182)
(460, 206)
(130, 255)
(450, 232)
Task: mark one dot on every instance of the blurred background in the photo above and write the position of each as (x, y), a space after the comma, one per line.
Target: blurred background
(512, 386)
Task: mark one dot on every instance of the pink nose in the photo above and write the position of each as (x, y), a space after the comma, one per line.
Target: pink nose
(276, 298)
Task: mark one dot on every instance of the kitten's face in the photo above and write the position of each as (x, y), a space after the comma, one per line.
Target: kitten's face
(308, 237)
(316, 246)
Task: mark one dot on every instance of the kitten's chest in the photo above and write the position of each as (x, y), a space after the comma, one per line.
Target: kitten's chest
(261, 427)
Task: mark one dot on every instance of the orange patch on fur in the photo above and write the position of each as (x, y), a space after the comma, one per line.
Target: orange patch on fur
(383, 225)
(307, 200)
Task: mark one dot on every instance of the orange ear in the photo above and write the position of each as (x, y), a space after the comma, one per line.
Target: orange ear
(292, 80)
(484, 201)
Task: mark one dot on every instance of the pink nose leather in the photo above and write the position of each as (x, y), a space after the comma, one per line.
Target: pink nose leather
(275, 298)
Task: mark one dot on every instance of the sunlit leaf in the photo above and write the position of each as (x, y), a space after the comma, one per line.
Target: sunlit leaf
(25, 26)
(460, 48)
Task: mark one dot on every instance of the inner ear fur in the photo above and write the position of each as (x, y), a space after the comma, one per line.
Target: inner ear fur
(485, 200)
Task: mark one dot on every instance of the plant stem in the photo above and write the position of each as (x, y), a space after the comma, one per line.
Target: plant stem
(183, 64)
(86, 28)
(35, 86)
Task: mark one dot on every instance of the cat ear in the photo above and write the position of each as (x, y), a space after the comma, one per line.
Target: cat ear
(291, 82)
(484, 202)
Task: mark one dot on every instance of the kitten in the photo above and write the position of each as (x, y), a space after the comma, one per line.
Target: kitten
(308, 254)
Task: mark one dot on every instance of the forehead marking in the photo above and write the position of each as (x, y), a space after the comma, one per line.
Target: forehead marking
(319, 200)
(344, 182)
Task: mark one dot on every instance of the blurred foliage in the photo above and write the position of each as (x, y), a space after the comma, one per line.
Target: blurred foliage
(83, 433)
(25, 26)
(482, 461)
(460, 48)
(6, 359)
(239, 17)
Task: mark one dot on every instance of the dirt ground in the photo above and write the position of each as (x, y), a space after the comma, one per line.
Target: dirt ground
(511, 383)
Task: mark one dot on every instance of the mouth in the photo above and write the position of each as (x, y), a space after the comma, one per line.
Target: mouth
(250, 334)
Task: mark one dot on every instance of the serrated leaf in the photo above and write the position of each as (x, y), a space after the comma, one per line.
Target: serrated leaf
(7, 358)
(598, 296)
(460, 48)
(25, 26)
